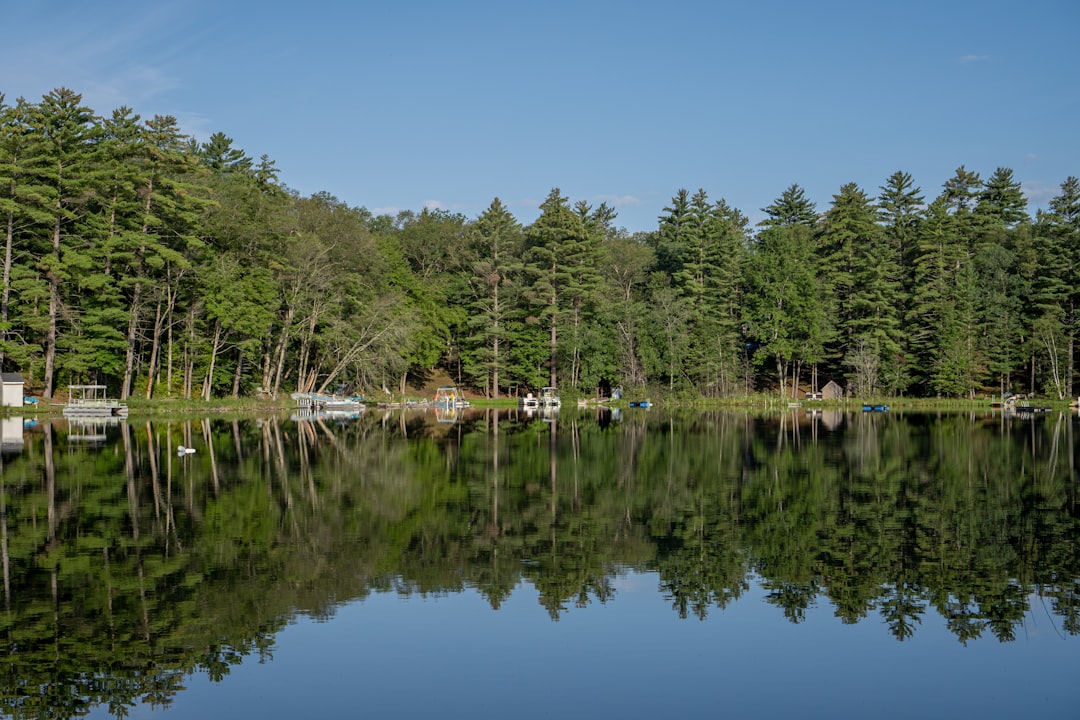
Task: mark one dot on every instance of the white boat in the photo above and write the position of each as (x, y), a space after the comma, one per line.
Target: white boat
(549, 397)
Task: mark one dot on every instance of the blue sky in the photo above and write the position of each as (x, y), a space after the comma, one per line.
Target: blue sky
(402, 105)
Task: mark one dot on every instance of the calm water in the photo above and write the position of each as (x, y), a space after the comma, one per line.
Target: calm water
(634, 565)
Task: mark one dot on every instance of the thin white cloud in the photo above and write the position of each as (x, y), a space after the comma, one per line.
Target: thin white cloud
(620, 200)
(974, 58)
(126, 59)
(392, 211)
(434, 205)
(1039, 194)
(195, 124)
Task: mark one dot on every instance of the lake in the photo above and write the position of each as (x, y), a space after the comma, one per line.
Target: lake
(587, 563)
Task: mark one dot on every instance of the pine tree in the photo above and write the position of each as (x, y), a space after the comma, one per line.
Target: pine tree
(67, 166)
(791, 208)
(670, 237)
(786, 297)
(961, 192)
(901, 207)
(23, 204)
(219, 155)
(1054, 297)
(551, 244)
(941, 318)
(864, 283)
(1002, 201)
(495, 238)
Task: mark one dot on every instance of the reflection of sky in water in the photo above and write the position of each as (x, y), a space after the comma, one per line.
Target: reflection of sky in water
(453, 656)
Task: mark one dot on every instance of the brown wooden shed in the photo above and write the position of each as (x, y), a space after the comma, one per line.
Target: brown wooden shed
(831, 391)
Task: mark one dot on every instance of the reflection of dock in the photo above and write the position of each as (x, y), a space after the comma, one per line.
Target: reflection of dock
(91, 430)
(307, 415)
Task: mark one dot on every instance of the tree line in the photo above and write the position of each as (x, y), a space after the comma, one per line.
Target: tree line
(138, 257)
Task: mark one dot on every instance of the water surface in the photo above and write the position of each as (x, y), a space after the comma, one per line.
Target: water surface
(635, 563)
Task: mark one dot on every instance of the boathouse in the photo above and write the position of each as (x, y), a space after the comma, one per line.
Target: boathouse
(11, 394)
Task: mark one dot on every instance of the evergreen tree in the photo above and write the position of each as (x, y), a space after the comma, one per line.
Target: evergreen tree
(1002, 201)
(587, 346)
(552, 243)
(864, 283)
(220, 156)
(67, 167)
(941, 318)
(1054, 296)
(786, 303)
(961, 192)
(495, 238)
(670, 236)
(23, 204)
(901, 209)
(790, 209)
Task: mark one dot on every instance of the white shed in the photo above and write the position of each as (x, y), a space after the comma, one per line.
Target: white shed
(11, 393)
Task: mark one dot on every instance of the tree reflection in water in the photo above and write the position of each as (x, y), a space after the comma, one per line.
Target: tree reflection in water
(127, 567)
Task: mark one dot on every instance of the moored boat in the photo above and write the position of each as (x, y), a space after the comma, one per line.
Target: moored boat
(549, 397)
(449, 396)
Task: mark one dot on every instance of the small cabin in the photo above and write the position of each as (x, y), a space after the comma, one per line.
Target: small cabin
(831, 391)
(11, 394)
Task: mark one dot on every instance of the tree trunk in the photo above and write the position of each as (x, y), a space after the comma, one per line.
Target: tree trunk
(283, 342)
(495, 343)
(136, 296)
(132, 337)
(554, 345)
(155, 350)
(1069, 362)
(54, 310)
(5, 298)
(215, 345)
(238, 373)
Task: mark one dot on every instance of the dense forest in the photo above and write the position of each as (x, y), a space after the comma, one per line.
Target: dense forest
(138, 257)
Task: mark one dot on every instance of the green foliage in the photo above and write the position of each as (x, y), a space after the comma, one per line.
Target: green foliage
(139, 257)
